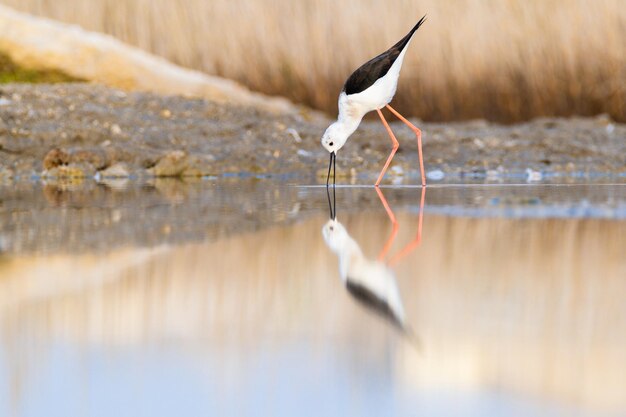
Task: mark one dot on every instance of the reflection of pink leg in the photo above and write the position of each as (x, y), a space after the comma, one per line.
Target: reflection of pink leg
(418, 238)
(393, 150)
(394, 231)
(418, 133)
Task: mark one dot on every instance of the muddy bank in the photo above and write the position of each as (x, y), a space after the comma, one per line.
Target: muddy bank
(85, 130)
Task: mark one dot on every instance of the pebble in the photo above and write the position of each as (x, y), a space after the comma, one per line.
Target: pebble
(118, 170)
(294, 134)
(397, 170)
(171, 164)
(435, 175)
(532, 175)
(55, 158)
(116, 129)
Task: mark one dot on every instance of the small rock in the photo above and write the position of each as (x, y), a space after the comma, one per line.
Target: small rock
(55, 158)
(118, 170)
(479, 143)
(116, 129)
(397, 170)
(435, 175)
(166, 114)
(532, 175)
(493, 174)
(294, 134)
(171, 164)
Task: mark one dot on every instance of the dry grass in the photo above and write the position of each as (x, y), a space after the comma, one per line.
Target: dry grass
(504, 60)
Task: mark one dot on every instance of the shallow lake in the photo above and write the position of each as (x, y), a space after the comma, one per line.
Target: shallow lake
(231, 297)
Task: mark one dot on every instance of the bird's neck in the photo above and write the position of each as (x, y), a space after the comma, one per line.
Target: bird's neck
(348, 254)
(347, 125)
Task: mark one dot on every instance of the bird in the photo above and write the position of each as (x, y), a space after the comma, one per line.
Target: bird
(371, 87)
(371, 282)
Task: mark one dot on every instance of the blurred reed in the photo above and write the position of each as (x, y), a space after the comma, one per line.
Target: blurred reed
(506, 60)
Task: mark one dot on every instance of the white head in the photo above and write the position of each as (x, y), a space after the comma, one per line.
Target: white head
(335, 235)
(335, 137)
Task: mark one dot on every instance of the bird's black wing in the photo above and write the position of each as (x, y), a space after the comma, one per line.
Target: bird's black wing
(368, 73)
(377, 67)
(373, 302)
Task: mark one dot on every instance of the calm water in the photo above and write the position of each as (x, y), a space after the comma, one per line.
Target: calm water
(231, 297)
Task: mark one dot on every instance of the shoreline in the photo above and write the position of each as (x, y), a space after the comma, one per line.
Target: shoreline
(87, 130)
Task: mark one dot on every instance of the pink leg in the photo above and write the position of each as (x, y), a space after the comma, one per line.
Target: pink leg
(394, 222)
(418, 238)
(418, 133)
(393, 150)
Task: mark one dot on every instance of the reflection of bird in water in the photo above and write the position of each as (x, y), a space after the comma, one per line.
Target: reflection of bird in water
(371, 282)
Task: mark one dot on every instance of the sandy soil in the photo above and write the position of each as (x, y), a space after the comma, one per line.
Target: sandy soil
(86, 130)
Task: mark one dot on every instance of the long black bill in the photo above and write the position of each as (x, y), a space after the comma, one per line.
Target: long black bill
(332, 205)
(331, 163)
(334, 173)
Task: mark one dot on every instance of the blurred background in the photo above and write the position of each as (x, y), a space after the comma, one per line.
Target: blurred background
(505, 61)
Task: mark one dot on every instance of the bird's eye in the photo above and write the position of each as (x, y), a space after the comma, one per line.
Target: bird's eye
(332, 228)
(331, 144)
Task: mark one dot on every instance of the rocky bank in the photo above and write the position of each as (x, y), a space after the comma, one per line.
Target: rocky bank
(80, 130)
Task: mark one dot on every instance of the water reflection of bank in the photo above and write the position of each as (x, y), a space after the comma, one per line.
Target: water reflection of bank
(532, 306)
(82, 217)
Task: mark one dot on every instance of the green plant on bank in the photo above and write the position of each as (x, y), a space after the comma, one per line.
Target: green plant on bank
(12, 73)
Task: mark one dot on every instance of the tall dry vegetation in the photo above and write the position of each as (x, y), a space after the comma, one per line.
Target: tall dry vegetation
(505, 60)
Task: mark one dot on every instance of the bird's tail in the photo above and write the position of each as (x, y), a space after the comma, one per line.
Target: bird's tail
(412, 338)
(404, 41)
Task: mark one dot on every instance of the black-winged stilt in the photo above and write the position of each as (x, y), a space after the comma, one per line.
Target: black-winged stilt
(371, 282)
(371, 87)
